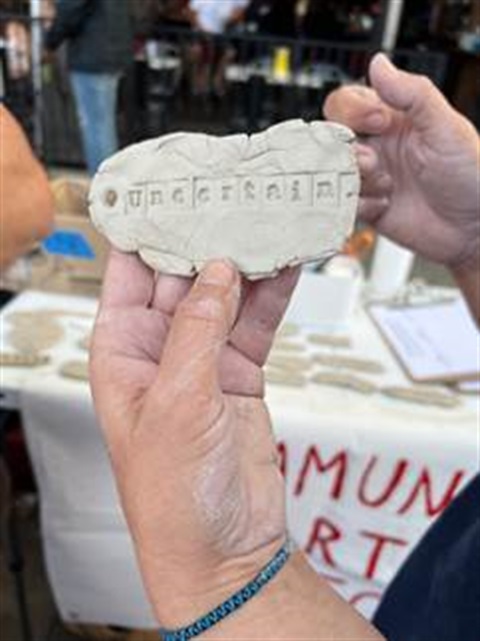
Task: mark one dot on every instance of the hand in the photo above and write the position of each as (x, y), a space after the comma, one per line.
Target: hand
(178, 387)
(420, 163)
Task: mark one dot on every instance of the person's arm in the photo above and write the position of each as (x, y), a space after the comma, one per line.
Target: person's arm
(26, 202)
(69, 20)
(178, 388)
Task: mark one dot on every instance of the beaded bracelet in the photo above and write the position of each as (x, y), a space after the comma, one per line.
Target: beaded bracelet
(233, 603)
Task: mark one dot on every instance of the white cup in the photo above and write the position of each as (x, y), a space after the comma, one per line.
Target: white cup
(392, 266)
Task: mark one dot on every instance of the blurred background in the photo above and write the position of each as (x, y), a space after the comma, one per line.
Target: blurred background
(252, 64)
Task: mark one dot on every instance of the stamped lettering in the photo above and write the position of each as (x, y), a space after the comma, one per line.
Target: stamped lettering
(274, 191)
(325, 190)
(136, 199)
(292, 190)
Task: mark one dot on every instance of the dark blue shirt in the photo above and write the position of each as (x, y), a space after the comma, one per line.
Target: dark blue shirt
(436, 594)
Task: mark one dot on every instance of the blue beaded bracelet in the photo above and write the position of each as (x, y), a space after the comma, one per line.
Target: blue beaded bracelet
(232, 604)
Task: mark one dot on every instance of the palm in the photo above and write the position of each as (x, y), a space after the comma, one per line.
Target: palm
(419, 163)
(433, 172)
(224, 448)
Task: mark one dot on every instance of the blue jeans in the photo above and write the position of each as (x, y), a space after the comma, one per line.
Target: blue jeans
(96, 100)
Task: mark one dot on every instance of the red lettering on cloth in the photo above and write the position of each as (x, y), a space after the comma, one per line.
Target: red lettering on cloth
(384, 490)
(324, 534)
(380, 543)
(424, 485)
(313, 460)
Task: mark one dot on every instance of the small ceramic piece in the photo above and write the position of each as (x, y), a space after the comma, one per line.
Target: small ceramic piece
(23, 360)
(330, 340)
(77, 370)
(291, 363)
(346, 381)
(288, 346)
(422, 396)
(282, 377)
(282, 197)
(32, 332)
(351, 363)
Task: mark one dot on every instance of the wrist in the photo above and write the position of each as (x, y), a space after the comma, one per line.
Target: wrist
(181, 597)
(295, 604)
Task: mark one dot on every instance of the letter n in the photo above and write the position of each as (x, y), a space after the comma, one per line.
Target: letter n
(424, 484)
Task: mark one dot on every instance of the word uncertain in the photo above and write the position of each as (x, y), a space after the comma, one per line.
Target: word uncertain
(293, 190)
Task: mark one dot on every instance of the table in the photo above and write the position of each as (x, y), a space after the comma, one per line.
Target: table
(365, 476)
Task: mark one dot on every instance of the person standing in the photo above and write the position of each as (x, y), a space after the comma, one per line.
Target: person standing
(99, 37)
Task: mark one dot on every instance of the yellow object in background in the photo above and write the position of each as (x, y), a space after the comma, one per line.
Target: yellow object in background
(282, 63)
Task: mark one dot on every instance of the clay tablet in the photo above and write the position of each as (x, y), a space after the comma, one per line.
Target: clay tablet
(282, 197)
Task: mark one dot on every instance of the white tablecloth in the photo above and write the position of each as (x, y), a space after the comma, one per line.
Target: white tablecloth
(365, 478)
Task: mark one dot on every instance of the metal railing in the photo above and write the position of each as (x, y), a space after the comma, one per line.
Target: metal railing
(188, 80)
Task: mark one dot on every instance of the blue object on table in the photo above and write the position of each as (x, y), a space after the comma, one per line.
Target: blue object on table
(69, 244)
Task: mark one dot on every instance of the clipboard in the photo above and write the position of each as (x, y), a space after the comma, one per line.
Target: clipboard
(434, 342)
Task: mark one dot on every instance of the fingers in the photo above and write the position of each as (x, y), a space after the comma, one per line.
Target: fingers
(371, 209)
(369, 111)
(261, 313)
(376, 181)
(359, 108)
(169, 292)
(128, 282)
(411, 93)
(199, 330)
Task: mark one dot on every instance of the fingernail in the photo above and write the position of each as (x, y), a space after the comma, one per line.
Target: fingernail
(382, 59)
(217, 273)
(376, 121)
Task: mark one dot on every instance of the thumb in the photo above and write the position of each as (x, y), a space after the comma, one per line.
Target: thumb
(410, 93)
(199, 330)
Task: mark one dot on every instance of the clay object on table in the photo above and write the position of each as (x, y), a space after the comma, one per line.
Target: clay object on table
(423, 396)
(352, 363)
(23, 360)
(330, 340)
(346, 381)
(291, 363)
(32, 332)
(285, 345)
(282, 197)
(77, 370)
(281, 377)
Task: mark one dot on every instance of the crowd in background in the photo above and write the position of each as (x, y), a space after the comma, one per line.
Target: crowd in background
(282, 18)
(105, 39)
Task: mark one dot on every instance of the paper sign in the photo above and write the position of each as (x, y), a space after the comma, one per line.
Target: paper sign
(433, 342)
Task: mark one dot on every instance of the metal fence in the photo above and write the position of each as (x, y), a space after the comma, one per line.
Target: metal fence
(187, 80)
